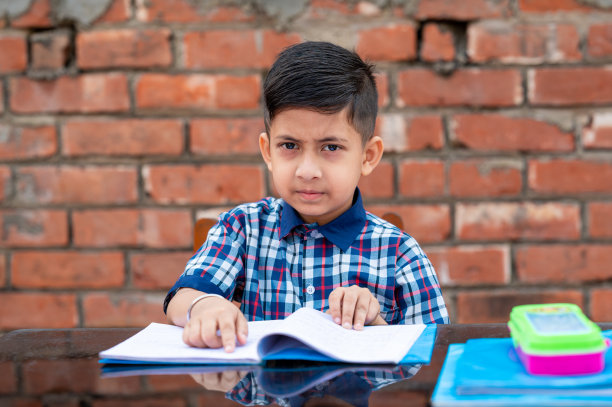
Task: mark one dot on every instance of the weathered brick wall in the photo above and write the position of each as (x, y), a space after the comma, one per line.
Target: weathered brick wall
(122, 123)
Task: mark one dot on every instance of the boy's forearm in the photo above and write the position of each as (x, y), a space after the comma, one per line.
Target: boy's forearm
(178, 306)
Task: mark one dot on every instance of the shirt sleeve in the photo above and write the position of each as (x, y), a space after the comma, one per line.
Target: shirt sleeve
(219, 263)
(417, 290)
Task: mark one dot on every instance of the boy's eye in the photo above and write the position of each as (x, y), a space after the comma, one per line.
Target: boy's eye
(331, 147)
(288, 146)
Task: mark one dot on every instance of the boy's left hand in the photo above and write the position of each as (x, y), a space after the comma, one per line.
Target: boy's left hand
(354, 307)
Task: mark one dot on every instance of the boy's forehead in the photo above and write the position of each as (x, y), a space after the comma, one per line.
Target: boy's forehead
(307, 121)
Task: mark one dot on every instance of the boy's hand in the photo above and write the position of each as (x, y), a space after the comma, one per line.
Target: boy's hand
(214, 314)
(354, 307)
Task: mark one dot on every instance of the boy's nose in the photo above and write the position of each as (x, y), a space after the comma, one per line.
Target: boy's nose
(308, 168)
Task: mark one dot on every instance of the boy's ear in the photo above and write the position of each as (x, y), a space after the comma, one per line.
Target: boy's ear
(372, 153)
(264, 147)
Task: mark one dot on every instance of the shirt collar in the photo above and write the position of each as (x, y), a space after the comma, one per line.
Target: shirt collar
(341, 231)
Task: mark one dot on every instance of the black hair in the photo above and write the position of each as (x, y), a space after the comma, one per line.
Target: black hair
(325, 78)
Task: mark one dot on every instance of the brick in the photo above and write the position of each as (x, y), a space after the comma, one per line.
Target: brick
(516, 221)
(382, 87)
(118, 385)
(234, 49)
(39, 228)
(568, 176)
(38, 16)
(8, 379)
(393, 42)
(50, 50)
(13, 53)
(600, 219)
(552, 6)
(5, 183)
(71, 184)
(158, 228)
(321, 9)
(221, 136)
(3, 274)
(599, 133)
(2, 98)
(471, 265)
(494, 306)
(214, 184)
(496, 132)
(570, 86)
(485, 178)
(424, 178)
(563, 264)
(184, 11)
(167, 383)
(122, 309)
(38, 310)
(599, 40)
(157, 271)
(466, 87)
(118, 11)
(463, 10)
(601, 305)
(128, 137)
(198, 92)
(20, 142)
(426, 223)
(70, 376)
(380, 183)
(82, 94)
(438, 43)
(123, 48)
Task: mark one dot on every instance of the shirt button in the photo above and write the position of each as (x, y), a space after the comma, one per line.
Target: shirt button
(310, 290)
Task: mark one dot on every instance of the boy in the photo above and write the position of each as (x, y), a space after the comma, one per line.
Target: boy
(315, 246)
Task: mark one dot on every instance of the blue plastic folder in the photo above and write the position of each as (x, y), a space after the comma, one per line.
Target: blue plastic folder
(488, 372)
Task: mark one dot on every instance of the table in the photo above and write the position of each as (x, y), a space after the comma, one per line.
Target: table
(59, 367)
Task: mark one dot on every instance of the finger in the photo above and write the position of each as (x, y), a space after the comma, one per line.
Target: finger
(361, 310)
(227, 326)
(373, 310)
(242, 328)
(193, 334)
(208, 332)
(335, 304)
(348, 308)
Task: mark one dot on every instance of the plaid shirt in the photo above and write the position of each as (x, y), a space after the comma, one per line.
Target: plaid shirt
(264, 255)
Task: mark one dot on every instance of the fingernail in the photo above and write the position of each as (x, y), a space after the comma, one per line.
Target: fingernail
(347, 325)
(358, 326)
(337, 320)
(229, 348)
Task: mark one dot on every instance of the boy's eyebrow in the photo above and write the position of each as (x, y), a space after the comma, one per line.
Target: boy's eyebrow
(328, 139)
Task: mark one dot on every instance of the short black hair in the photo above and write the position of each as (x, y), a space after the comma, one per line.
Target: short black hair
(326, 78)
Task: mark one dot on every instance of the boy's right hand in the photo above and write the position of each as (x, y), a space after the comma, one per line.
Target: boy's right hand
(213, 315)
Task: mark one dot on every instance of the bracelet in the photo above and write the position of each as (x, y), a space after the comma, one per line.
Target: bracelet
(198, 299)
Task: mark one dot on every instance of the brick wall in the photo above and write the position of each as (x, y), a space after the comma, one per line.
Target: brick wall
(120, 126)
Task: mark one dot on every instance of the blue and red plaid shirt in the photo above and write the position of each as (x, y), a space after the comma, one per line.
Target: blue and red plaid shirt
(266, 257)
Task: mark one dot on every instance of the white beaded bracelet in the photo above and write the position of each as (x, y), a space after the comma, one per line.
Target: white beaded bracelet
(197, 299)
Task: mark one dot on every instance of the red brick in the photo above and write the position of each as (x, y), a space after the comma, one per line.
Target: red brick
(118, 11)
(494, 306)
(599, 41)
(50, 50)
(463, 10)
(184, 11)
(118, 385)
(5, 182)
(38, 310)
(220, 136)
(380, 183)
(232, 49)
(167, 383)
(67, 269)
(157, 271)
(552, 6)
(82, 94)
(321, 9)
(601, 305)
(599, 133)
(44, 227)
(570, 86)
(485, 178)
(471, 265)
(467, 87)
(600, 219)
(563, 264)
(424, 178)
(511, 220)
(197, 92)
(523, 43)
(8, 379)
(124, 48)
(214, 184)
(38, 16)
(394, 42)
(567, 176)
(426, 223)
(382, 87)
(70, 376)
(3, 274)
(20, 142)
(503, 133)
(122, 309)
(68, 184)
(130, 137)
(13, 53)
(2, 98)
(438, 43)
(159, 228)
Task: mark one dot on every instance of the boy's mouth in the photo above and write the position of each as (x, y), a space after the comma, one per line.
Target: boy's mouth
(309, 195)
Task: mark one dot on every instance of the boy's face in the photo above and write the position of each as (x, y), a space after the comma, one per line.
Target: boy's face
(316, 161)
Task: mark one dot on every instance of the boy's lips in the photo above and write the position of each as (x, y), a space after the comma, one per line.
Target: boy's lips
(308, 195)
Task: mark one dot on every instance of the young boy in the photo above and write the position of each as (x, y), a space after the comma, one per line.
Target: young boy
(316, 246)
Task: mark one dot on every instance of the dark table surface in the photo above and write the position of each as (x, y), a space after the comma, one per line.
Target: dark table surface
(59, 367)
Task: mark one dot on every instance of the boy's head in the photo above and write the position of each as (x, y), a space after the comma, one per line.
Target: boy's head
(323, 77)
(320, 113)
